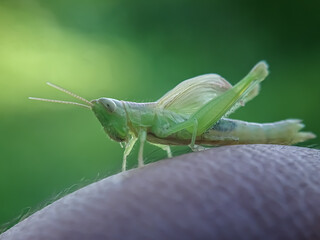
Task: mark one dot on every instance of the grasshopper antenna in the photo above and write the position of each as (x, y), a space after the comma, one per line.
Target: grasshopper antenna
(59, 101)
(68, 92)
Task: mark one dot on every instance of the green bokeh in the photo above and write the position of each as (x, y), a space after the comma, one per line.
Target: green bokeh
(134, 50)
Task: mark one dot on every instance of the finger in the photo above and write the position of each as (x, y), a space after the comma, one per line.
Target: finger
(233, 192)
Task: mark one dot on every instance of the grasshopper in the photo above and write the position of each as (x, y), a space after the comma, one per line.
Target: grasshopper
(194, 113)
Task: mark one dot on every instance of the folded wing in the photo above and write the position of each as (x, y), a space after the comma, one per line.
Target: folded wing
(190, 95)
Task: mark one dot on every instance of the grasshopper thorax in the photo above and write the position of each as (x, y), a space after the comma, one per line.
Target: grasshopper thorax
(112, 116)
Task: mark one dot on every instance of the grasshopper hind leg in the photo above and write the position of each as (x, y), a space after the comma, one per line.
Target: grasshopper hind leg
(197, 148)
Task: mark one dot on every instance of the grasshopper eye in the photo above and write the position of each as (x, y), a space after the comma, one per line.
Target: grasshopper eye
(108, 104)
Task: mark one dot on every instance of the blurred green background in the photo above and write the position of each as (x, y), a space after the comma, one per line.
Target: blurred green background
(134, 50)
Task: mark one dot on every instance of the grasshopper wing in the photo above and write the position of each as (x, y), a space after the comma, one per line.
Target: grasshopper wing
(190, 95)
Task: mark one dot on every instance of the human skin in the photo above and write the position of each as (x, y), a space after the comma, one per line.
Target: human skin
(231, 192)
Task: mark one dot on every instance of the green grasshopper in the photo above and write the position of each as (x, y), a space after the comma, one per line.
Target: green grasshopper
(193, 113)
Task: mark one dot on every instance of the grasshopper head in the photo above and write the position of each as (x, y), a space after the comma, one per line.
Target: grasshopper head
(112, 116)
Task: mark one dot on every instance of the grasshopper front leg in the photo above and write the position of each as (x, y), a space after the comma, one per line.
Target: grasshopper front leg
(127, 150)
(129, 146)
(216, 108)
